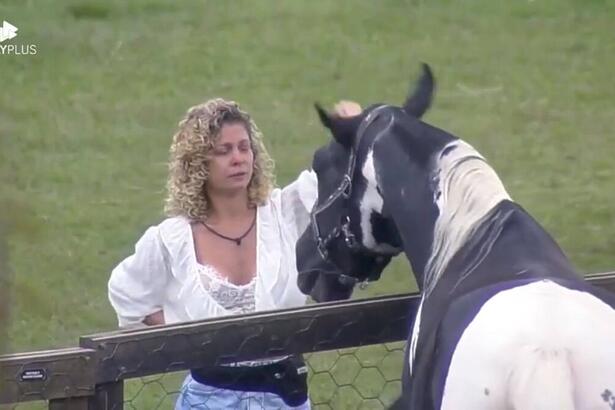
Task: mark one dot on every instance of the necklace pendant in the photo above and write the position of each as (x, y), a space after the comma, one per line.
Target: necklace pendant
(228, 238)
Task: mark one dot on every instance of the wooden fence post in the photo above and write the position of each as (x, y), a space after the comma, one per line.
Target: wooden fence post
(69, 403)
(108, 396)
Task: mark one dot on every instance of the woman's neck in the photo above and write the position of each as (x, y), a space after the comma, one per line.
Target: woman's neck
(225, 207)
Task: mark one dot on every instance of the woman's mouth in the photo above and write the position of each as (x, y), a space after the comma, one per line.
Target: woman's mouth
(238, 175)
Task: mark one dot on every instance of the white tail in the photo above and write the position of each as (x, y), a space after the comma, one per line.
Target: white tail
(542, 380)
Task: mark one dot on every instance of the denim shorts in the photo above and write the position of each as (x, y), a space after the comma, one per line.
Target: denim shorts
(196, 396)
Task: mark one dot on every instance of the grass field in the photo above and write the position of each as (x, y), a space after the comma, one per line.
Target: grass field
(85, 123)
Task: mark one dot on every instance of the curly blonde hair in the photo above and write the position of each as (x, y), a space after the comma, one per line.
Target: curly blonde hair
(190, 152)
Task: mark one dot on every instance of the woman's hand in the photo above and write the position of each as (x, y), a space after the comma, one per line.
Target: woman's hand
(347, 108)
(156, 318)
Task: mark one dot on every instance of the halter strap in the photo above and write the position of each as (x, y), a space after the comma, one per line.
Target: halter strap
(344, 190)
(367, 121)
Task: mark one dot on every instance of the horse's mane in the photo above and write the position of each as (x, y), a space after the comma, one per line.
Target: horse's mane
(468, 188)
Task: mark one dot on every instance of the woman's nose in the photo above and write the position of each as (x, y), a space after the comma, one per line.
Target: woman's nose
(237, 156)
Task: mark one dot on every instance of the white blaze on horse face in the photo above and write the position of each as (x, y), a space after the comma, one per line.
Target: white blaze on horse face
(371, 202)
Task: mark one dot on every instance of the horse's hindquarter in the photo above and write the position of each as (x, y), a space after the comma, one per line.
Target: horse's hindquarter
(530, 340)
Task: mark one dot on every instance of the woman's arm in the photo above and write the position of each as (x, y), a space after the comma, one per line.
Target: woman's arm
(137, 285)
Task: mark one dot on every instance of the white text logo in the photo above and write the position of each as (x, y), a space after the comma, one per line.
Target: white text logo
(7, 31)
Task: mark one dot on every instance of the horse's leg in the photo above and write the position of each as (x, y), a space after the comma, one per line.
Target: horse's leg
(539, 346)
(592, 353)
(490, 348)
(473, 389)
(403, 402)
(400, 404)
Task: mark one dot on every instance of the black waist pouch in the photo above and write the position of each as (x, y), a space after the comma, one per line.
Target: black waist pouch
(286, 378)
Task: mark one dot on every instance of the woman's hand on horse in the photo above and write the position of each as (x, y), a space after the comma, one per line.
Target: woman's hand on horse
(347, 108)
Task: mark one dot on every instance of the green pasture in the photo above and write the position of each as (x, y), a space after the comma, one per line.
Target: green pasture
(85, 124)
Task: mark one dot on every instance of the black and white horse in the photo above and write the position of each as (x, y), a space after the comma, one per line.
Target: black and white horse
(505, 321)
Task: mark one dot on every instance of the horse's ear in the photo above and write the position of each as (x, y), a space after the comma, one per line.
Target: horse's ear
(324, 116)
(342, 129)
(420, 99)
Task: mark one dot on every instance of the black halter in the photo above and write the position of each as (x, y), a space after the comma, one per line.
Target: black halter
(343, 193)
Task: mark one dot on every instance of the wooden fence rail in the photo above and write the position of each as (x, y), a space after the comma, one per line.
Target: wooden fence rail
(92, 376)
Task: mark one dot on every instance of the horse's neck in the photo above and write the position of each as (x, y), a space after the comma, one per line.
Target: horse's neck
(508, 245)
(416, 232)
(414, 226)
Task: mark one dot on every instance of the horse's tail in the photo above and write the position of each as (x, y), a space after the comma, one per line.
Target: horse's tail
(542, 379)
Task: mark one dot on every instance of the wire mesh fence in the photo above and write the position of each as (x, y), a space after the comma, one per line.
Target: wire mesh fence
(357, 378)
(144, 368)
(367, 377)
(353, 351)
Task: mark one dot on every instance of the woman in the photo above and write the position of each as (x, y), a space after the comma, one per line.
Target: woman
(227, 247)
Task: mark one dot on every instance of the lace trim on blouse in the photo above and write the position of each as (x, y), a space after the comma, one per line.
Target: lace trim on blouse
(237, 299)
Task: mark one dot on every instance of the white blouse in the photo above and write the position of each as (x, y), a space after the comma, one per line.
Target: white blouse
(163, 273)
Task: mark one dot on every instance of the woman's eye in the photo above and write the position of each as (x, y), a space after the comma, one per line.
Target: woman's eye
(221, 151)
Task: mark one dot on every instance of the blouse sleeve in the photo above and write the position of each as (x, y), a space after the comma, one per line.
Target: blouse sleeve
(298, 198)
(137, 285)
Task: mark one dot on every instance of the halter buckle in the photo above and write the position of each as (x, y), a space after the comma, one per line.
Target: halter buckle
(347, 186)
(349, 238)
(322, 249)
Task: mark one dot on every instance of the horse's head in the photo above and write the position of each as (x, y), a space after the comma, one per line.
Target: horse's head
(351, 237)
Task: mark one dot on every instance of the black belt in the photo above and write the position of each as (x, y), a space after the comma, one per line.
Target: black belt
(287, 378)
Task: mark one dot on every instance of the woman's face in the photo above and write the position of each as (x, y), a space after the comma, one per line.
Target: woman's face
(231, 162)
